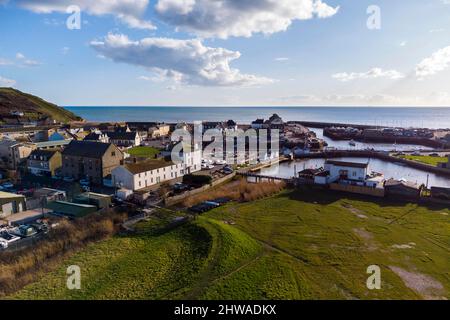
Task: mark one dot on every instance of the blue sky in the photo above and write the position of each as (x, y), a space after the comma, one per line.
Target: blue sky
(193, 52)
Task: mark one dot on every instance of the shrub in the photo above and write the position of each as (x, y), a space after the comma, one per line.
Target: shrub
(21, 267)
(240, 190)
(197, 180)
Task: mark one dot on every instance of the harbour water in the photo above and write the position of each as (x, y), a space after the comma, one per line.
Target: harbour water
(387, 116)
(390, 170)
(344, 145)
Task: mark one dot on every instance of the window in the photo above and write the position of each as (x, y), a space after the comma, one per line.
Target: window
(113, 154)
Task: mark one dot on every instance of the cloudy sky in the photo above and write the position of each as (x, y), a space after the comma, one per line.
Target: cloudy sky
(228, 52)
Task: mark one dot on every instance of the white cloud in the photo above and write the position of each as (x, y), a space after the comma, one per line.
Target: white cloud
(145, 78)
(5, 62)
(238, 18)
(65, 50)
(437, 62)
(128, 11)
(25, 62)
(4, 82)
(403, 43)
(183, 61)
(281, 59)
(371, 74)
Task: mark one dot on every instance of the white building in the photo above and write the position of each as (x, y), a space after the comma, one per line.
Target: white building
(141, 175)
(341, 170)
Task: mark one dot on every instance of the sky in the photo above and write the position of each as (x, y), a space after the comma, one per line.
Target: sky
(228, 52)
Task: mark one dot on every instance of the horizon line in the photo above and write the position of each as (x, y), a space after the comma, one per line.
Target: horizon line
(241, 106)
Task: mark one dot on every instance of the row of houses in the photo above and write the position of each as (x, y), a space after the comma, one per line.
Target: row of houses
(103, 163)
(141, 175)
(274, 122)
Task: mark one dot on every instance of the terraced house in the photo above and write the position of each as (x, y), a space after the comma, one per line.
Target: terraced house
(13, 153)
(92, 160)
(44, 162)
(141, 175)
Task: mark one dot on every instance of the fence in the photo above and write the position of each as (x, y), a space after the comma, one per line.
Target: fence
(177, 199)
(375, 192)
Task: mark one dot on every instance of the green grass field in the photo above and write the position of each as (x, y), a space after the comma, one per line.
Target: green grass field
(433, 161)
(144, 152)
(296, 245)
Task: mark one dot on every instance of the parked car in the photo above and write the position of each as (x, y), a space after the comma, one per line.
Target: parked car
(56, 177)
(85, 182)
(3, 244)
(220, 162)
(7, 185)
(203, 207)
(8, 237)
(222, 200)
(206, 166)
(179, 187)
(213, 204)
(69, 179)
(227, 170)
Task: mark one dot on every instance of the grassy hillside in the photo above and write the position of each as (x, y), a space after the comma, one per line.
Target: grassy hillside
(296, 245)
(33, 107)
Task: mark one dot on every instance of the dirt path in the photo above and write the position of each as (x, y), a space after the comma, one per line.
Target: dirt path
(426, 286)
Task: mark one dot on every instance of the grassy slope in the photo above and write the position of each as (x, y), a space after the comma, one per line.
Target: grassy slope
(177, 264)
(144, 152)
(297, 245)
(320, 246)
(57, 113)
(434, 161)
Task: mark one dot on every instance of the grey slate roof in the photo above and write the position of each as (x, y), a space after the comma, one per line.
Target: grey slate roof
(88, 149)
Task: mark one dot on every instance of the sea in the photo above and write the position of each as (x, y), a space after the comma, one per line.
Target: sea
(420, 117)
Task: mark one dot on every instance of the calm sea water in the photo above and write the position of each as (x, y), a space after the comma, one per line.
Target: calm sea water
(393, 116)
